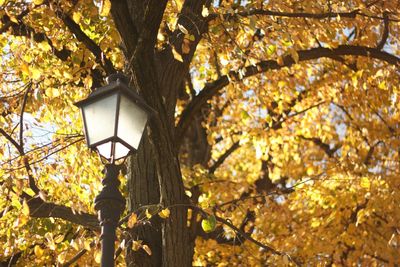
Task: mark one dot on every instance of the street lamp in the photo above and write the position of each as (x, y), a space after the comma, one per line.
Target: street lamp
(114, 119)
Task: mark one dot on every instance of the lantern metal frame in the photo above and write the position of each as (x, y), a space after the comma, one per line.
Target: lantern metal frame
(110, 203)
(118, 85)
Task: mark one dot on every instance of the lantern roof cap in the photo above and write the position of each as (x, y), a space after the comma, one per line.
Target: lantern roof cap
(117, 82)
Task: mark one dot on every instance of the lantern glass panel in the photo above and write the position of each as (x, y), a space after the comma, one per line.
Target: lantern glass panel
(120, 151)
(105, 150)
(100, 119)
(131, 122)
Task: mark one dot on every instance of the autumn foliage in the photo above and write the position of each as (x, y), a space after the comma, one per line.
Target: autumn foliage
(280, 121)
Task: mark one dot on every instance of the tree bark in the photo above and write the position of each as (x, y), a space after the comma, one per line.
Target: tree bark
(157, 164)
(154, 173)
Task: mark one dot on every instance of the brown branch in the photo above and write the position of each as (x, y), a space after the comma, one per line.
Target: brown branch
(21, 117)
(40, 209)
(20, 147)
(213, 88)
(306, 109)
(385, 33)
(126, 27)
(21, 29)
(258, 243)
(325, 15)
(390, 128)
(77, 256)
(11, 140)
(371, 152)
(195, 24)
(248, 237)
(325, 147)
(48, 155)
(220, 238)
(138, 29)
(347, 113)
(87, 41)
(223, 157)
(7, 23)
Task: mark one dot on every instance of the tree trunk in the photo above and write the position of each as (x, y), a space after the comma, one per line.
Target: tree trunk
(154, 173)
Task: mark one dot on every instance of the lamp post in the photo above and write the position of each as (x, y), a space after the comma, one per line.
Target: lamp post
(114, 118)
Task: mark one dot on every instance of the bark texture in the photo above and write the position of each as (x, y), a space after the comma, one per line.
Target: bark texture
(154, 173)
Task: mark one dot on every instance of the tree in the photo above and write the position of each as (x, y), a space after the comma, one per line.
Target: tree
(276, 139)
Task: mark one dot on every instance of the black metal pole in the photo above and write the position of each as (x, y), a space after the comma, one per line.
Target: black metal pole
(109, 204)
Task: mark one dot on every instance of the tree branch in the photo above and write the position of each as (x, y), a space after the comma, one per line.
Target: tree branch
(126, 27)
(7, 23)
(21, 116)
(325, 147)
(324, 15)
(258, 243)
(21, 29)
(385, 33)
(213, 88)
(223, 157)
(194, 23)
(89, 43)
(40, 209)
(77, 256)
(11, 140)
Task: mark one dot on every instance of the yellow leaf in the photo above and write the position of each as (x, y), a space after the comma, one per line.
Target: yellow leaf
(315, 224)
(45, 46)
(147, 249)
(136, 245)
(183, 29)
(67, 75)
(310, 171)
(185, 46)
(97, 256)
(365, 183)
(179, 4)
(132, 220)
(86, 245)
(54, 92)
(61, 257)
(77, 17)
(59, 239)
(294, 55)
(24, 68)
(105, 8)
(13, 19)
(35, 73)
(38, 251)
(164, 213)
(282, 84)
(38, 2)
(208, 224)
(382, 85)
(205, 12)
(75, 244)
(280, 61)
(176, 55)
(271, 49)
(43, 195)
(148, 214)
(188, 193)
(25, 208)
(29, 191)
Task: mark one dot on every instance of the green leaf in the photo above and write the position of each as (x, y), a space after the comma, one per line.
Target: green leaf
(209, 224)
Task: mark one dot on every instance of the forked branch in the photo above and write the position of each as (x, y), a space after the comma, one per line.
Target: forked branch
(214, 88)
